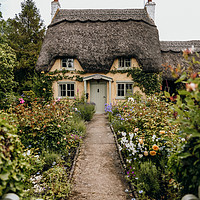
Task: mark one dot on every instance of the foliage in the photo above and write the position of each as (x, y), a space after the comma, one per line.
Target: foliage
(185, 163)
(13, 162)
(7, 83)
(48, 127)
(25, 34)
(42, 86)
(85, 110)
(146, 135)
(149, 83)
(150, 175)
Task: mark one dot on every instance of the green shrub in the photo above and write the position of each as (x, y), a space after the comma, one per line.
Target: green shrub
(51, 159)
(185, 163)
(148, 180)
(48, 127)
(55, 182)
(86, 111)
(13, 162)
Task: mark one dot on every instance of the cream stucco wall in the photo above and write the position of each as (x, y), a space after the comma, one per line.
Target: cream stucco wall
(79, 86)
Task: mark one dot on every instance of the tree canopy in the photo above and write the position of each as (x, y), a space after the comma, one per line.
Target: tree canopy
(25, 35)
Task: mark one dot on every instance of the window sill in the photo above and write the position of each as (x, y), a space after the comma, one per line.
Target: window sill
(65, 97)
(67, 69)
(120, 98)
(123, 68)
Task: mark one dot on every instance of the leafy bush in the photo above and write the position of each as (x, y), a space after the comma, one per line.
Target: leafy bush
(52, 184)
(13, 162)
(148, 173)
(48, 127)
(86, 110)
(185, 163)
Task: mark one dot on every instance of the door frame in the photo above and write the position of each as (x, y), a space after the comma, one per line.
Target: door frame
(99, 77)
(98, 97)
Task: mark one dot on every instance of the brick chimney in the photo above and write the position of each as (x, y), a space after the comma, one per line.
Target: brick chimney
(150, 8)
(55, 5)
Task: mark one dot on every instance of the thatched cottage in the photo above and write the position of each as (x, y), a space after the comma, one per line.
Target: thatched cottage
(94, 46)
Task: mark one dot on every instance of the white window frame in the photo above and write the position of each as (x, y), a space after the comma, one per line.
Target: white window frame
(67, 91)
(66, 62)
(122, 63)
(124, 83)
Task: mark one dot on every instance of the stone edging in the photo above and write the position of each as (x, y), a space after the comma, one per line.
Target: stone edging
(122, 163)
(74, 163)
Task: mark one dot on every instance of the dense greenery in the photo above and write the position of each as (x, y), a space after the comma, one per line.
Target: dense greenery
(25, 35)
(13, 162)
(22, 37)
(149, 83)
(47, 135)
(7, 62)
(185, 163)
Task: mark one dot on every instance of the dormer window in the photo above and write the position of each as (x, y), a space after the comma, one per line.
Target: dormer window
(67, 63)
(124, 62)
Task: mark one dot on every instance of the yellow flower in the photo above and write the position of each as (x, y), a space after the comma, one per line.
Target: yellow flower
(42, 72)
(152, 153)
(146, 153)
(155, 147)
(140, 141)
(162, 132)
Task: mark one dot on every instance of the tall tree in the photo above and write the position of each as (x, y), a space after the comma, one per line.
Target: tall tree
(25, 35)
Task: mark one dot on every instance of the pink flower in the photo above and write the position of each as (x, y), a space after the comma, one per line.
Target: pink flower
(191, 87)
(21, 100)
(136, 129)
(59, 126)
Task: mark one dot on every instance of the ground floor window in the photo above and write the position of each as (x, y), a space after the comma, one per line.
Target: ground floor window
(66, 89)
(124, 89)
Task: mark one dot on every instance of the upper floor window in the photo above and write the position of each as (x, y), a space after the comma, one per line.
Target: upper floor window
(67, 63)
(124, 62)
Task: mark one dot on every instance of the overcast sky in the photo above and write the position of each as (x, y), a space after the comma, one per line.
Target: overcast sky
(175, 19)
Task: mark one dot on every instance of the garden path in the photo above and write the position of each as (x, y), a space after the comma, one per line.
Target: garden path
(98, 174)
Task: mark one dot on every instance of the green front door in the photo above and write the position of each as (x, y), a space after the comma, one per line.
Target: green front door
(98, 95)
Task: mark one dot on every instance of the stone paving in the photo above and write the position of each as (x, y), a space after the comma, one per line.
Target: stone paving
(98, 174)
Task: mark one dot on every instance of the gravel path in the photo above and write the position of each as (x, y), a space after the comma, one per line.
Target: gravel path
(98, 173)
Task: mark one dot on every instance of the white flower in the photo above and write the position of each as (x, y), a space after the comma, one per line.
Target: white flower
(120, 148)
(131, 136)
(131, 99)
(75, 109)
(183, 139)
(140, 155)
(124, 134)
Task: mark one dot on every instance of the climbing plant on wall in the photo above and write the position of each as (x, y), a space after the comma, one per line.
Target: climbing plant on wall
(148, 82)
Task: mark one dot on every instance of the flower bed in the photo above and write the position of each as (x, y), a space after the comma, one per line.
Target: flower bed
(50, 133)
(146, 139)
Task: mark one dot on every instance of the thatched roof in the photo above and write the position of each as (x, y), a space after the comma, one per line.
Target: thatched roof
(172, 54)
(97, 37)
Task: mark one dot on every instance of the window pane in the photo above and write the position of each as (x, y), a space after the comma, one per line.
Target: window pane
(70, 90)
(121, 62)
(129, 89)
(64, 63)
(70, 63)
(68, 86)
(120, 90)
(127, 62)
(62, 90)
